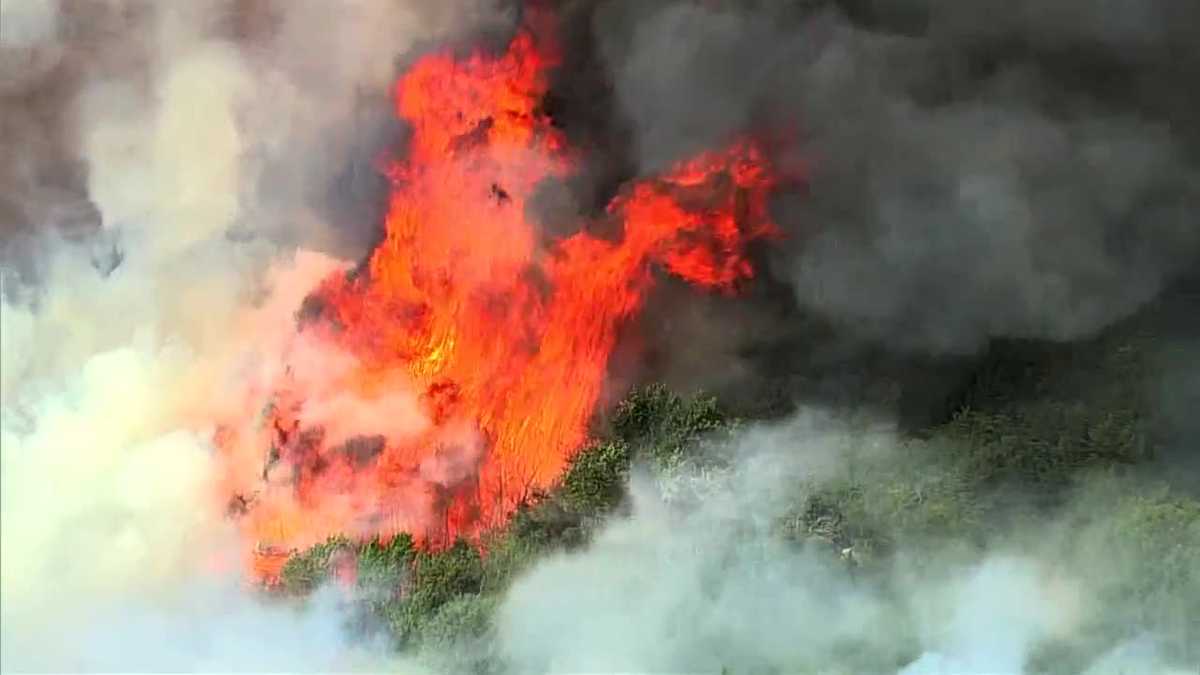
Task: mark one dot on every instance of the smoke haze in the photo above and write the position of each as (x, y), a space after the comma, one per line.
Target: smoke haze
(176, 177)
(167, 181)
(699, 576)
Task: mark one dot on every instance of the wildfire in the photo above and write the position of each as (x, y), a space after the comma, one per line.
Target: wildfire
(482, 344)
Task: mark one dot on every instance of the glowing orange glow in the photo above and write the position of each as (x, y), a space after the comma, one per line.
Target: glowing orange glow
(501, 335)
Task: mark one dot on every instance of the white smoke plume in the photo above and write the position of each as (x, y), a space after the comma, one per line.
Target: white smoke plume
(170, 170)
(697, 578)
(28, 22)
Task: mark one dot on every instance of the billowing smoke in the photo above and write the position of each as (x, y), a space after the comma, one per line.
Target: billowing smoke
(703, 575)
(976, 170)
(176, 177)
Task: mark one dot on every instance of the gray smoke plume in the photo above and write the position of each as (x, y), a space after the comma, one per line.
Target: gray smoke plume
(975, 170)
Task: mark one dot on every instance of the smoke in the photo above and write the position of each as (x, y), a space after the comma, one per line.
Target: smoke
(176, 178)
(221, 628)
(969, 177)
(28, 22)
(701, 576)
(1175, 394)
(689, 583)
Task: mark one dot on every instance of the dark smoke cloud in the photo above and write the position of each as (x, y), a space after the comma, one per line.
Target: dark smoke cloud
(977, 170)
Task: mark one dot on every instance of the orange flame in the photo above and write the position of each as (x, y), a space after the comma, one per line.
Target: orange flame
(503, 337)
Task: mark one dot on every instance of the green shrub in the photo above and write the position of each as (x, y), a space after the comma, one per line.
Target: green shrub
(652, 423)
(464, 619)
(663, 426)
(595, 481)
(384, 564)
(532, 532)
(1154, 540)
(459, 637)
(1139, 555)
(436, 579)
(876, 511)
(933, 505)
(304, 571)
(1045, 446)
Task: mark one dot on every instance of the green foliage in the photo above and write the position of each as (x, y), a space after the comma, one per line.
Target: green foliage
(595, 481)
(1155, 538)
(664, 426)
(458, 637)
(383, 564)
(437, 578)
(466, 618)
(405, 588)
(1139, 553)
(1046, 445)
(872, 514)
(531, 533)
(441, 576)
(305, 571)
(1037, 414)
(928, 506)
(652, 423)
(1042, 417)
(379, 564)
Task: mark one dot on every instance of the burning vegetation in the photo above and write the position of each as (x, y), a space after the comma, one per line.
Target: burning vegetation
(511, 336)
(501, 335)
